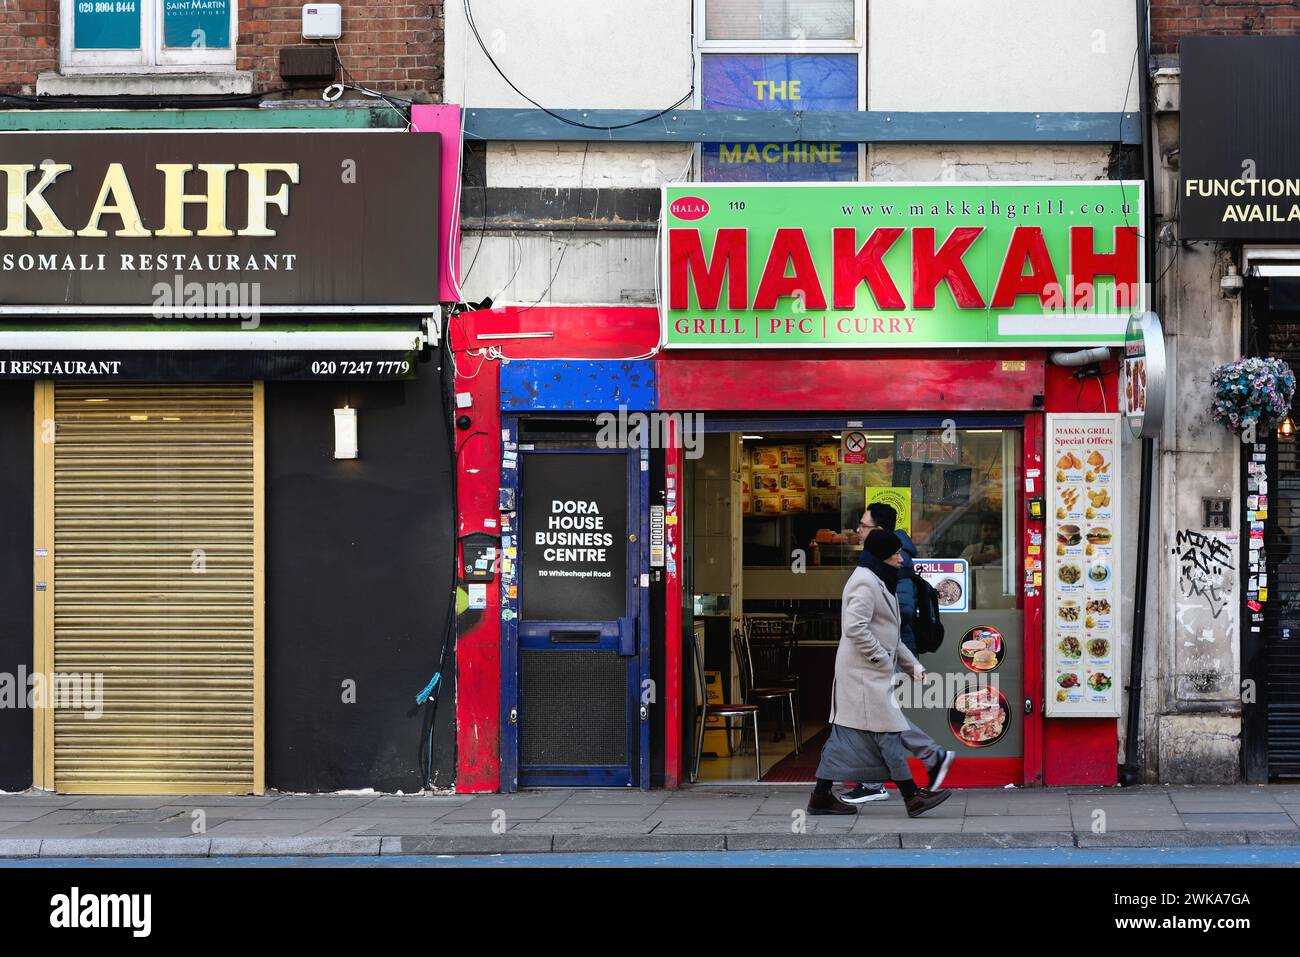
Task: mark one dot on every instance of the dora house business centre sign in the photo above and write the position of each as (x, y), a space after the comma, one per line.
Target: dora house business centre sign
(312, 220)
(888, 265)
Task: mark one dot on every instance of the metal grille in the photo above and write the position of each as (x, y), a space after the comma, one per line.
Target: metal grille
(1282, 558)
(573, 708)
(155, 585)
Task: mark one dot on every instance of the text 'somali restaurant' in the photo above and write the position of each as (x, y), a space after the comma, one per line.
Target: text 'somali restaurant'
(824, 347)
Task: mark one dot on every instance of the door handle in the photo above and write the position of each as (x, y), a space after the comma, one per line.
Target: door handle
(627, 637)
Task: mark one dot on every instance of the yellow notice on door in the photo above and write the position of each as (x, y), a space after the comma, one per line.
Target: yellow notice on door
(897, 498)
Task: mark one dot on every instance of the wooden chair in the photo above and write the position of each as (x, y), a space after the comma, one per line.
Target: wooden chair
(704, 710)
(770, 687)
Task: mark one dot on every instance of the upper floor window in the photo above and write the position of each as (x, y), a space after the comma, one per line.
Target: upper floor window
(781, 55)
(148, 35)
(780, 20)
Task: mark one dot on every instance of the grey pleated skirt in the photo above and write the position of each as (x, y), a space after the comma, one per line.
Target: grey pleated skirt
(853, 755)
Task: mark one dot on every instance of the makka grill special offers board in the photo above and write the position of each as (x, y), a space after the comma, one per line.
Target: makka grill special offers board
(1082, 574)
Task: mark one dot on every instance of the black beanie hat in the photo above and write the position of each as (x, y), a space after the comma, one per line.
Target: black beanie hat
(882, 544)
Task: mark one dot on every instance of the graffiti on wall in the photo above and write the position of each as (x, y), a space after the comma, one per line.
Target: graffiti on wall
(1203, 560)
(1206, 587)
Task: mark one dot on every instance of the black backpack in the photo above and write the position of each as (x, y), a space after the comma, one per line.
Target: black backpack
(927, 627)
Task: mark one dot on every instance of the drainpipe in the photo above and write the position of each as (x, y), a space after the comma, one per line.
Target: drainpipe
(1130, 770)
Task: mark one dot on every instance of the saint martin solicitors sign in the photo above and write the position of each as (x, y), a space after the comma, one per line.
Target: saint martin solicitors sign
(313, 219)
(908, 264)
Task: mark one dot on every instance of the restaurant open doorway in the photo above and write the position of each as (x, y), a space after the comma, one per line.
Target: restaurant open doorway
(769, 510)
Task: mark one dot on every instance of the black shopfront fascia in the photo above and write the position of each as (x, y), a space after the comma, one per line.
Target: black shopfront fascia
(209, 366)
(324, 347)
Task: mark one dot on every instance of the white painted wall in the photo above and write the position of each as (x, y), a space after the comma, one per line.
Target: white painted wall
(570, 54)
(1001, 55)
(549, 268)
(958, 162)
(577, 165)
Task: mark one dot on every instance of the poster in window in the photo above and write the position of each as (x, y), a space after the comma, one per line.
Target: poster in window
(196, 24)
(899, 499)
(104, 25)
(780, 82)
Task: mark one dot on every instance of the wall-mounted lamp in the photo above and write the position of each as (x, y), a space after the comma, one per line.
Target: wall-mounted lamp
(1287, 428)
(345, 433)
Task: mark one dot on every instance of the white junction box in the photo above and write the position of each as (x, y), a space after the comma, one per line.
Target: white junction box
(322, 21)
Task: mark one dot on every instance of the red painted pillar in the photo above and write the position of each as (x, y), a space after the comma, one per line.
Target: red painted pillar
(478, 633)
(1080, 750)
(1034, 456)
(673, 611)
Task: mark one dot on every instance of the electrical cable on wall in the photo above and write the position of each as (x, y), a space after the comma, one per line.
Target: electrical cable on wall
(392, 101)
(573, 228)
(432, 692)
(469, 18)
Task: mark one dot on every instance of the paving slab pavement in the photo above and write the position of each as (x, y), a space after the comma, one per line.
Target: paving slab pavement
(748, 818)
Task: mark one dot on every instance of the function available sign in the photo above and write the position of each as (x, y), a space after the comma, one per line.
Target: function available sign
(888, 265)
(1238, 161)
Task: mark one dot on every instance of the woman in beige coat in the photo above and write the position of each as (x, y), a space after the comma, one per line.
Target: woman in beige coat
(866, 719)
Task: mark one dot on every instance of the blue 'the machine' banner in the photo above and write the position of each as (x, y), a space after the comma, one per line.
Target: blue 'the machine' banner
(780, 82)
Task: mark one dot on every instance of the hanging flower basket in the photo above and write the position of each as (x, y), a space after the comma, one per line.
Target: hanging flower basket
(1252, 392)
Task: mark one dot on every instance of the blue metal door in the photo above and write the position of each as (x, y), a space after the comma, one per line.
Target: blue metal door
(574, 616)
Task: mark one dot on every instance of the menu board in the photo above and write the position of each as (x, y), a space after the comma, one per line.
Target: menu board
(1082, 581)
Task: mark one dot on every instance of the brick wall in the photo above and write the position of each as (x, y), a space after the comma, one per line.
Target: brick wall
(29, 43)
(388, 46)
(1172, 19)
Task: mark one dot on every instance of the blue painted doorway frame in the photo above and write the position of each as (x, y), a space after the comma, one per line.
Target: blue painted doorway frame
(630, 634)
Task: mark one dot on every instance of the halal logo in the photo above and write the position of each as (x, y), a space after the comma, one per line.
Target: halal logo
(689, 207)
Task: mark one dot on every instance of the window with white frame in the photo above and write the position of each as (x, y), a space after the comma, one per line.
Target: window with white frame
(127, 36)
(781, 55)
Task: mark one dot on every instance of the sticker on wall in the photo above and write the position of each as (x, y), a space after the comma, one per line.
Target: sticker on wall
(477, 597)
(980, 718)
(950, 578)
(982, 648)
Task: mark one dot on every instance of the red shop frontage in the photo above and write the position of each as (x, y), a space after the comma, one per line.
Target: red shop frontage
(645, 523)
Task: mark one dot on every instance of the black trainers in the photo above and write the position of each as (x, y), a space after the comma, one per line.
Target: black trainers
(925, 800)
(863, 793)
(938, 769)
(829, 804)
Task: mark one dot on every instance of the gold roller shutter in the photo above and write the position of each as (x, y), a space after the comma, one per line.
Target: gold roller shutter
(157, 585)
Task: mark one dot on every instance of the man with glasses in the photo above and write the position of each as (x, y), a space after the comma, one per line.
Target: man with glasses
(937, 760)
